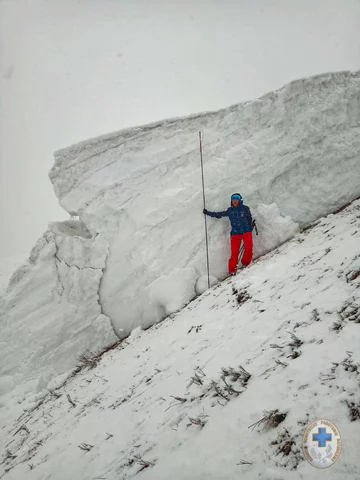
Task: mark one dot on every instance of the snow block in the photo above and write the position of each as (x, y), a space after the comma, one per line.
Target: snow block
(293, 154)
(138, 249)
(202, 283)
(172, 292)
(51, 312)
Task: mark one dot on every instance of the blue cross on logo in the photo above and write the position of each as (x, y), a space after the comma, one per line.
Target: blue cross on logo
(322, 437)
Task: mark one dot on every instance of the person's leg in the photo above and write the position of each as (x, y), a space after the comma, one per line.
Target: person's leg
(235, 242)
(248, 248)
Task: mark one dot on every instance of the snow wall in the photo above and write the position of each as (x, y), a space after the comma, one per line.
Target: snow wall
(135, 250)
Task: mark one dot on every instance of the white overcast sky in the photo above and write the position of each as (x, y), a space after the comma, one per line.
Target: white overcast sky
(75, 69)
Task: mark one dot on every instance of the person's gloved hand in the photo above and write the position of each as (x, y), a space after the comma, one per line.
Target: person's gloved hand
(205, 211)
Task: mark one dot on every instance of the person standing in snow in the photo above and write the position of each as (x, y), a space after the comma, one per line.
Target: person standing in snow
(241, 230)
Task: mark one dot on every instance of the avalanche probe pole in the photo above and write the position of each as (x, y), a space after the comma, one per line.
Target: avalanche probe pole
(203, 190)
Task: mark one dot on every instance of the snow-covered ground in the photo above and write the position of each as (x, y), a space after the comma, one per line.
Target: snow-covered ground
(165, 402)
(134, 251)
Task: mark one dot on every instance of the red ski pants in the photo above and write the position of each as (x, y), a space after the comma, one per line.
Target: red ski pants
(235, 242)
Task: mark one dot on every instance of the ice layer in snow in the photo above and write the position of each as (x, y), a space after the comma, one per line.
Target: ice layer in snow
(135, 250)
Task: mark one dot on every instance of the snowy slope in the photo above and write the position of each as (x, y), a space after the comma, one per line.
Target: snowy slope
(292, 321)
(134, 251)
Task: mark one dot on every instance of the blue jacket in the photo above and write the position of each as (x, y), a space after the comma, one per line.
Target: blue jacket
(240, 218)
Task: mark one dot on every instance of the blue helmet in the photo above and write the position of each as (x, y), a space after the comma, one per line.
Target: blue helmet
(236, 196)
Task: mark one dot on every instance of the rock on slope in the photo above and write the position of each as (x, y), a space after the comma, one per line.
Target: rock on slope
(175, 401)
(293, 154)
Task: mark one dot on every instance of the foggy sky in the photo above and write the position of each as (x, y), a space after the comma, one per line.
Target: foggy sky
(70, 70)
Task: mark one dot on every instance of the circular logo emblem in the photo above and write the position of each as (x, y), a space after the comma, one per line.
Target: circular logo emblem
(321, 444)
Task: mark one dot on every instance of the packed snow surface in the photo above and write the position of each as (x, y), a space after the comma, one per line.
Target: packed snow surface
(174, 402)
(134, 250)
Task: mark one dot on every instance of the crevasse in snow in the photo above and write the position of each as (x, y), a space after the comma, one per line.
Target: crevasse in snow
(137, 251)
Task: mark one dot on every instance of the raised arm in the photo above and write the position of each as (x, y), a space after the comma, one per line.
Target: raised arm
(216, 214)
